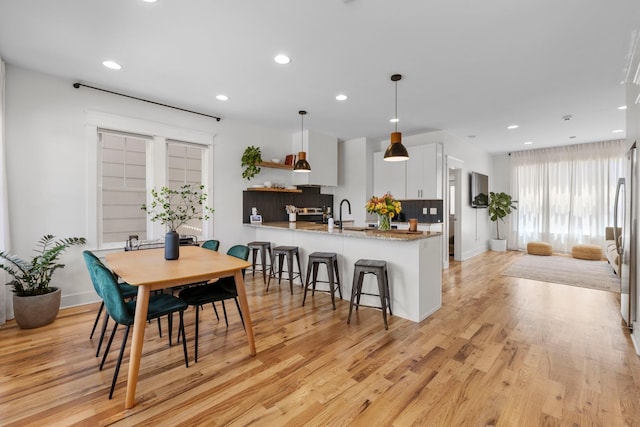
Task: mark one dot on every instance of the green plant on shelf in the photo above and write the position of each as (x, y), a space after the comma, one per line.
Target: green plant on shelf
(251, 157)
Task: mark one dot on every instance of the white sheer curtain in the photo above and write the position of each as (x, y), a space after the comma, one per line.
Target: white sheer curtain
(565, 195)
(4, 204)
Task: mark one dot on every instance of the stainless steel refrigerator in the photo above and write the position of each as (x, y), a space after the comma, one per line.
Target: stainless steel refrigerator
(625, 216)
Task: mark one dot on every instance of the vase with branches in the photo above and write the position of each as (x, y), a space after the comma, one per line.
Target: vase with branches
(174, 208)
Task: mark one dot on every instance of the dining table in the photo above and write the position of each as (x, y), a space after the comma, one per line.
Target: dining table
(150, 271)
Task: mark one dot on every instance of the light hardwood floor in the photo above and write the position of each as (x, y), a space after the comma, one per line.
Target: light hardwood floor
(501, 351)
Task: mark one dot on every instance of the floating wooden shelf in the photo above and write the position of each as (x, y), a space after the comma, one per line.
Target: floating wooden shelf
(275, 190)
(275, 165)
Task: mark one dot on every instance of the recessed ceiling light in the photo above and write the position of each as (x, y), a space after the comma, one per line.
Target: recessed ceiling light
(471, 136)
(622, 107)
(567, 117)
(341, 97)
(149, 1)
(617, 131)
(572, 137)
(222, 97)
(282, 59)
(528, 143)
(395, 120)
(513, 127)
(112, 64)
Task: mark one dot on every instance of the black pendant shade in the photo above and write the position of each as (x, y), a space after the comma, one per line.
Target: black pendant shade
(302, 165)
(396, 152)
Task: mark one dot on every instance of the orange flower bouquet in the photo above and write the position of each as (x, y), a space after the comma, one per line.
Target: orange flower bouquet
(386, 207)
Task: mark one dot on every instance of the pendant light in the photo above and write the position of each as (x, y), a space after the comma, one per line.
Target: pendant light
(396, 152)
(302, 165)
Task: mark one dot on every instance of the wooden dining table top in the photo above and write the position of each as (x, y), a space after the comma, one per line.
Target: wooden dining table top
(195, 264)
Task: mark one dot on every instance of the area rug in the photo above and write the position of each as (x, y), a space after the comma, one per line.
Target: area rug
(566, 271)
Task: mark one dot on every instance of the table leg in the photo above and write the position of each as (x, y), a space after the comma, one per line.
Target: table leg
(244, 304)
(139, 324)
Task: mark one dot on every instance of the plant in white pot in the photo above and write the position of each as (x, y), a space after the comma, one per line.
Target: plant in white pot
(500, 205)
(174, 208)
(35, 303)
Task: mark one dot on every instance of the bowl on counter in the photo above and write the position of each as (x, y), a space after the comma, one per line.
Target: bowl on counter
(276, 160)
(267, 184)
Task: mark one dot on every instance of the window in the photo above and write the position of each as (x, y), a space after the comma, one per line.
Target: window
(184, 166)
(127, 158)
(565, 194)
(123, 185)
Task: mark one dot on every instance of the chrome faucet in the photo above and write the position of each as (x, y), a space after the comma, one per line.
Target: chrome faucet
(349, 206)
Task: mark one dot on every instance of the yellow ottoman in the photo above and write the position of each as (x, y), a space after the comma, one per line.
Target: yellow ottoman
(539, 248)
(584, 251)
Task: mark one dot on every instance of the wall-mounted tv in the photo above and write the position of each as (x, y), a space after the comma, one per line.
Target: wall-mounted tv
(479, 186)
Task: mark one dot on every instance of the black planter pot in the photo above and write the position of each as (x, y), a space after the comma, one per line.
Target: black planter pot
(171, 245)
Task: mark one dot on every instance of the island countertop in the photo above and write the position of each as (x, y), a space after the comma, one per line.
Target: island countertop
(348, 231)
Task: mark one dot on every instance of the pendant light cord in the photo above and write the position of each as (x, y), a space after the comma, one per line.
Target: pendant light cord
(395, 122)
(302, 113)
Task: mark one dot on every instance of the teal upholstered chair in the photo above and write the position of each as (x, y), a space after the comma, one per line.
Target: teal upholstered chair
(127, 291)
(224, 288)
(123, 313)
(211, 244)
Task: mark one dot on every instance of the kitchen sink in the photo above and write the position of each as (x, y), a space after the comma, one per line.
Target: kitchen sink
(357, 228)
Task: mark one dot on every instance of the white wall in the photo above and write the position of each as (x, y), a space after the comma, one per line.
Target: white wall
(46, 151)
(355, 178)
(500, 177)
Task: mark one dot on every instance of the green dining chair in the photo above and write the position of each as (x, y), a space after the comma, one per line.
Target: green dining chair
(222, 289)
(211, 244)
(127, 291)
(123, 313)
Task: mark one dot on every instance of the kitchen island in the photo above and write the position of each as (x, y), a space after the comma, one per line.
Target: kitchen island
(414, 261)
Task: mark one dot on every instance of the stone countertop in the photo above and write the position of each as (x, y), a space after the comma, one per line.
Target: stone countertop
(347, 231)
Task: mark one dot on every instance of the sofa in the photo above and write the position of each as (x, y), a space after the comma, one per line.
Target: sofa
(610, 248)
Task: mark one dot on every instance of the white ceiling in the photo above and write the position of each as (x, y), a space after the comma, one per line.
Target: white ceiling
(469, 67)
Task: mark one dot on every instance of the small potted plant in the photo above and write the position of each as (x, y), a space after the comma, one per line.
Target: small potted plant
(500, 205)
(35, 303)
(251, 157)
(174, 208)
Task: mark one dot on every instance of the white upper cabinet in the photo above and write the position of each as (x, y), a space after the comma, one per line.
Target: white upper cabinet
(388, 177)
(420, 177)
(322, 155)
(424, 172)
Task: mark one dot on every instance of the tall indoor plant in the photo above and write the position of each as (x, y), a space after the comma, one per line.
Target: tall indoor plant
(500, 205)
(35, 303)
(174, 208)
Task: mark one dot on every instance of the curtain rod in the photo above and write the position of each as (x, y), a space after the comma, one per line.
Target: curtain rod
(77, 85)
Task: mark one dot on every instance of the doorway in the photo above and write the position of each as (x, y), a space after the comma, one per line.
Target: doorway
(454, 208)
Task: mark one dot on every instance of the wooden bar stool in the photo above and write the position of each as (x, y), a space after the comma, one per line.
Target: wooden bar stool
(280, 253)
(330, 259)
(379, 268)
(260, 248)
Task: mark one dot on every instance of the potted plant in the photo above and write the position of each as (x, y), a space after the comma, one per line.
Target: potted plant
(35, 303)
(174, 208)
(500, 205)
(251, 157)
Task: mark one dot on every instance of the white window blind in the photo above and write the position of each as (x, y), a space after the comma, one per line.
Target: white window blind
(123, 186)
(184, 166)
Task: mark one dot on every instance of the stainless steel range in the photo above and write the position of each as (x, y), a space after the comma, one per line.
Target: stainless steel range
(311, 214)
